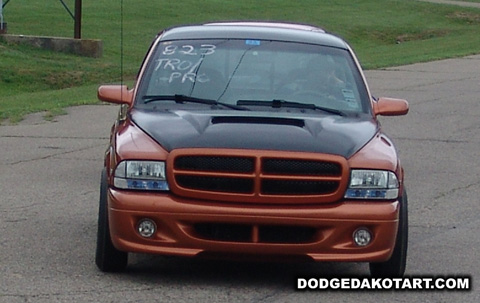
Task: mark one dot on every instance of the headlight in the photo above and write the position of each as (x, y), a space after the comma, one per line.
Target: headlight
(372, 184)
(147, 175)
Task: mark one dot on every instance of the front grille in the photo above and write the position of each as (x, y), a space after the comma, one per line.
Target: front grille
(301, 167)
(215, 163)
(250, 176)
(216, 184)
(255, 233)
(298, 187)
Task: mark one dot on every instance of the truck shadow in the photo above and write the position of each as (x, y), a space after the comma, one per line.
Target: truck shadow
(175, 270)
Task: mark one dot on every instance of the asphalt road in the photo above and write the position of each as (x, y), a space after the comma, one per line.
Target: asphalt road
(49, 182)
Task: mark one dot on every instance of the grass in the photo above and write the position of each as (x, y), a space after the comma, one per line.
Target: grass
(15, 107)
(383, 33)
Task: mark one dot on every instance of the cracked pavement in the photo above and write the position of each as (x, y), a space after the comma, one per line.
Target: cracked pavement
(49, 181)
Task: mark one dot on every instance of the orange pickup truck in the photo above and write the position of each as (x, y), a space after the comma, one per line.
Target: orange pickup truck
(252, 140)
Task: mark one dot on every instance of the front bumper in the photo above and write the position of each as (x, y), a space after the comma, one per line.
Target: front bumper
(326, 229)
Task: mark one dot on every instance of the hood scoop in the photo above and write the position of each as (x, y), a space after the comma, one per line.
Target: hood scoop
(259, 120)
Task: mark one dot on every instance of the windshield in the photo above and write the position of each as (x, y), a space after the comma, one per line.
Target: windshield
(235, 71)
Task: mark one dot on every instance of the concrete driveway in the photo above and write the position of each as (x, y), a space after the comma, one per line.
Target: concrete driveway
(49, 181)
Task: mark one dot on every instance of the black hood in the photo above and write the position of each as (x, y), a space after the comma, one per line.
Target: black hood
(330, 134)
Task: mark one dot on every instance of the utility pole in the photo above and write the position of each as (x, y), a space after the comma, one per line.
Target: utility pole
(2, 25)
(76, 16)
(78, 20)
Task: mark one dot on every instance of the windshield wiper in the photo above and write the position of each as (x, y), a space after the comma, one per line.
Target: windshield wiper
(189, 99)
(282, 103)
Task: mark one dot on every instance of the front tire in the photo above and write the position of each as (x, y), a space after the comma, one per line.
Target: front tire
(395, 266)
(107, 257)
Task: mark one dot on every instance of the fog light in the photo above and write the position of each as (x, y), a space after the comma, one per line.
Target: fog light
(146, 228)
(362, 236)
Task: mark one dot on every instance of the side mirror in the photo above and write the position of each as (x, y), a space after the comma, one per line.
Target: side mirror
(119, 94)
(390, 107)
